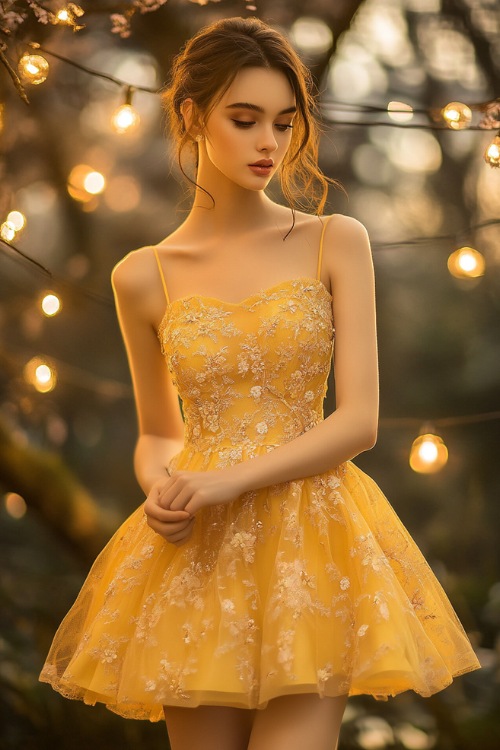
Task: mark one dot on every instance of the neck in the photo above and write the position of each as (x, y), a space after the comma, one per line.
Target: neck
(236, 208)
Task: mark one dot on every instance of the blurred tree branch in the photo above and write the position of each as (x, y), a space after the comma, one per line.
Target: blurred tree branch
(48, 486)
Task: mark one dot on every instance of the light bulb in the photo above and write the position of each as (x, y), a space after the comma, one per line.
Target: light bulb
(492, 153)
(457, 116)
(50, 304)
(428, 454)
(68, 15)
(466, 263)
(125, 119)
(33, 69)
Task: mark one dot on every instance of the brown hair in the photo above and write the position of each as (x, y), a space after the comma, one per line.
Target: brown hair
(205, 68)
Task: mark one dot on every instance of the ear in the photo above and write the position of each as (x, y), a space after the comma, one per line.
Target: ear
(190, 116)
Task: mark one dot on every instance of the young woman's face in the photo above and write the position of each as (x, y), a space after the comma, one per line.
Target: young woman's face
(248, 132)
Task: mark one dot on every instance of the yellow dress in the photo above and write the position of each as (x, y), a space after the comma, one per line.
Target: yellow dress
(308, 586)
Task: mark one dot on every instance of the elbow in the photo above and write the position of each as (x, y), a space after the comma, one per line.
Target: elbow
(371, 439)
(368, 436)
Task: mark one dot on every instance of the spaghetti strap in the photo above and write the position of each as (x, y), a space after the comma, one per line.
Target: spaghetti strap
(320, 254)
(162, 277)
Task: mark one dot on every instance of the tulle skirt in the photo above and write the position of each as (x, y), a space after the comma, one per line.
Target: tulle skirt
(309, 586)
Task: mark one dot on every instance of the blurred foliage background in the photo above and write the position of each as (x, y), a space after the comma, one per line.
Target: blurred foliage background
(419, 187)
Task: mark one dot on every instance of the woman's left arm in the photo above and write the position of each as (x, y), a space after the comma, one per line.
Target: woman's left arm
(352, 427)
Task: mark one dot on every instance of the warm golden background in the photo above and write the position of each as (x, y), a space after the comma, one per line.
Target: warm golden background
(76, 195)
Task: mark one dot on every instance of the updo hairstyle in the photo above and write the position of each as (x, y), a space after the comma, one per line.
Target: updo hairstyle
(205, 68)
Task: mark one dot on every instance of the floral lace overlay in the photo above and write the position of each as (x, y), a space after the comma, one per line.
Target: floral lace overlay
(251, 373)
(312, 585)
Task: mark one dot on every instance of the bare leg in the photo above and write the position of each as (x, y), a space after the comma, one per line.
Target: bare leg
(208, 727)
(295, 722)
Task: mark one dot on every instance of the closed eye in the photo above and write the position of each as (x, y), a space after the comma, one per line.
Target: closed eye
(248, 124)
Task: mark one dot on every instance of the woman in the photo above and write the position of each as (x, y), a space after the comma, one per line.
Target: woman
(266, 577)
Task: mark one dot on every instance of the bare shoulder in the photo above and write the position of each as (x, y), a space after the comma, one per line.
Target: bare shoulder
(345, 229)
(132, 275)
(347, 244)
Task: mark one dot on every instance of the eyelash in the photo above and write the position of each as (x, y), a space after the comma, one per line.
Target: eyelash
(243, 124)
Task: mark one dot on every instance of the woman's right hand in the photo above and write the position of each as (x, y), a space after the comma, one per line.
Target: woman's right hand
(175, 526)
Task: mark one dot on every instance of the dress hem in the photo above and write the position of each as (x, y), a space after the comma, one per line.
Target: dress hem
(155, 711)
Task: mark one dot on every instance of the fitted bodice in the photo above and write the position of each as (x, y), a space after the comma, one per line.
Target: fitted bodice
(253, 372)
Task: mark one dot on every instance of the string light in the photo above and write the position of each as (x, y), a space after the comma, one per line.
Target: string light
(125, 118)
(33, 69)
(50, 304)
(466, 263)
(492, 153)
(457, 115)
(428, 453)
(39, 373)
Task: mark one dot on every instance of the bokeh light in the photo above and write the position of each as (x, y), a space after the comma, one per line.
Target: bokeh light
(457, 116)
(50, 304)
(84, 183)
(7, 231)
(17, 220)
(33, 69)
(400, 112)
(94, 182)
(15, 505)
(311, 35)
(492, 153)
(414, 151)
(42, 375)
(125, 119)
(68, 15)
(428, 454)
(466, 263)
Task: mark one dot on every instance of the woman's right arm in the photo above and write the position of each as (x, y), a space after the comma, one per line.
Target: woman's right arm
(160, 422)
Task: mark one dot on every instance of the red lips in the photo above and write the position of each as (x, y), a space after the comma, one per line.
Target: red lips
(262, 163)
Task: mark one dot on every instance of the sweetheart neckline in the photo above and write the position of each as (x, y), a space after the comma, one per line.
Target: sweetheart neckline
(244, 301)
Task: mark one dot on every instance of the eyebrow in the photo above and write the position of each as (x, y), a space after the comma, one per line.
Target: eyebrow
(256, 108)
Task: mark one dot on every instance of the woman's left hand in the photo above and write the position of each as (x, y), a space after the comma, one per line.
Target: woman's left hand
(193, 490)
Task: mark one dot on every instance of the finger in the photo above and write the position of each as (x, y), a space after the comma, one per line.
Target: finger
(181, 499)
(191, 507)
(179, 537)
(183, 541)
(167, 492)
(165, 515)
(168, 528)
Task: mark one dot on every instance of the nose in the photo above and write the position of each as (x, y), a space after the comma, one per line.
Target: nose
(267, 139)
